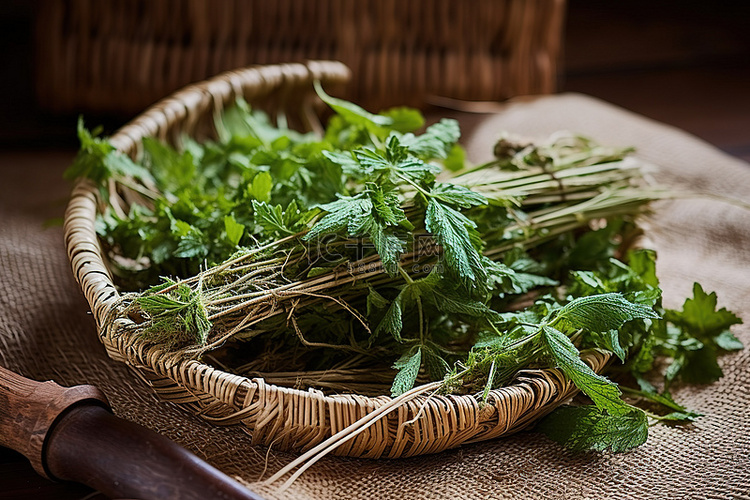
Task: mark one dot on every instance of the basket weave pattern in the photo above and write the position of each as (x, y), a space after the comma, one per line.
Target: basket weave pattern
(283, 417)
(401, 52)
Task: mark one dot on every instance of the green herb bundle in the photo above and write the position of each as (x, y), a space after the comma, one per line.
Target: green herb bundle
(373, 258)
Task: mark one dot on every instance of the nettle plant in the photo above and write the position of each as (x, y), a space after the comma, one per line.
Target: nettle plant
(373, 258)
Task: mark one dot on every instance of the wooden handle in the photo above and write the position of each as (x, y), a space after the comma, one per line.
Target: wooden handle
(125, 460)
(29, 410)
(70, 434)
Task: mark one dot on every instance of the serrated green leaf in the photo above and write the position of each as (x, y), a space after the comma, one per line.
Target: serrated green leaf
(270, 218)
(295, 218)
(371, 160)
(518, 275)
(408, 370)
(694, 337)
(649, 298)
(340, 215)
(602, 391)
(180, 228)
(454, 232)
(98, 160)
(490, 339)
(436, 142)
(387, 206)
(451, 300)
(392, 322)
(89, 161)
(679, 412)
(678, 416)
(458, 196)
(346, 160)
(518, 260)
(603, 312)
(580, 428)
(389, 247)
(192, 245)
(361, 224)
(700, 316)
(417, 170)
(610, 341)
(404, 162)
(525, 282)
(175, 171)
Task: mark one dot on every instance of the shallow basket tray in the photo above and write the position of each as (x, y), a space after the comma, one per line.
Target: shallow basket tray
(291, 419)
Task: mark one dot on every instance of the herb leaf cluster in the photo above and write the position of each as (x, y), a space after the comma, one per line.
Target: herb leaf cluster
(376, 258)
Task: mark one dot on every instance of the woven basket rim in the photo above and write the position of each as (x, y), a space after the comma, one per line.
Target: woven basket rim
(225, 398)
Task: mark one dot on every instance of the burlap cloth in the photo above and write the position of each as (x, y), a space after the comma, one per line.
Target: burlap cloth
(46, 332)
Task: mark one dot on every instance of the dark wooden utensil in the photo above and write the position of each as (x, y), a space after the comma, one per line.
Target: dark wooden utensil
(70, 434)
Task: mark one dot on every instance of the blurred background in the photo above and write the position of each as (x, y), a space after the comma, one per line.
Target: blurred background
(683, 62)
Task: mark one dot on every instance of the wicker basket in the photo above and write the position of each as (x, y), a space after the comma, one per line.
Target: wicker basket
(288, 418)
(401, 52)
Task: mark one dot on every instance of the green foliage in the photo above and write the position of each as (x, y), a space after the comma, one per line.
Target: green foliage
(456, 159)
(602, 391)
(695, 337)
(98, 160)
(481, 276)
(459, 196)
(260, 188)
(408, 369)
(582, 428)
(456, 234)
(392, 322)
(233, 229)
(177, 314)
(353, 113)
(345, 213)
(436, 142)
(602, 313)
(173, 170)
(279, 222)
(700, 316)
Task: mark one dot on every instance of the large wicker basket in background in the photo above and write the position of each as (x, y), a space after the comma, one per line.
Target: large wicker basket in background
(285, 417)
(123, 55)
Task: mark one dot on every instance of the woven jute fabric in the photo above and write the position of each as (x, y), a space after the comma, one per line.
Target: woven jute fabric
(46, 332)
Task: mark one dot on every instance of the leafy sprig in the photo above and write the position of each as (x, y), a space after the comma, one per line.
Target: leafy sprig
(373, 251)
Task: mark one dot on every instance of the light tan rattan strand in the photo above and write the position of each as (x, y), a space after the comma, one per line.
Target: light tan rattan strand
(287, 418)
